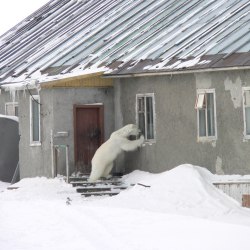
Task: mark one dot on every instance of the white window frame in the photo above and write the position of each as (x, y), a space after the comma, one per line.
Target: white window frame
(197, 107)
(149, 141)
(32, 99)
(14, 104)
(244, 89)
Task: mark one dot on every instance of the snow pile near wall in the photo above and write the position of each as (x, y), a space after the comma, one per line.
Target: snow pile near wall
(40, 188)
(3, 186)
(180, 210)
(186, 190)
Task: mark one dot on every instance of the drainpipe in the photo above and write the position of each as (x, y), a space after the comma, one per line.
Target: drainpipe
(52, 154)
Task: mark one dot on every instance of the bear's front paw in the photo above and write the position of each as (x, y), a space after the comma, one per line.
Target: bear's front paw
(141, 139)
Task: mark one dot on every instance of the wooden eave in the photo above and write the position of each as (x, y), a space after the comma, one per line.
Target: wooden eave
(85, 81)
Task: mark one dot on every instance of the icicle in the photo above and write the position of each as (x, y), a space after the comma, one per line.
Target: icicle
(12, 94)
(24, 93)
(17, 95)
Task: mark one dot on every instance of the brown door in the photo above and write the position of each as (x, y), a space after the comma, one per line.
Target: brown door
(88, 123)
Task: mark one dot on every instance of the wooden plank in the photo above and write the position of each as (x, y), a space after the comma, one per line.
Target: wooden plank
(246, 200)
(79, 82)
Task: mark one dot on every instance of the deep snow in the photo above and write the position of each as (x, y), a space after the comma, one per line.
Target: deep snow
(180, 210)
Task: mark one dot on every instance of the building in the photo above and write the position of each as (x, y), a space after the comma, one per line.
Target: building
(180, 70)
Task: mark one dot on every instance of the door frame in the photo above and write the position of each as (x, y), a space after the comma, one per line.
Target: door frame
(100, 108)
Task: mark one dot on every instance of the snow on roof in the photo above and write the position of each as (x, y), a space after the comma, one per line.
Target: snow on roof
(67, 36)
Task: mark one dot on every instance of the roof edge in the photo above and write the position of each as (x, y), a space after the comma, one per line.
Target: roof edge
(187, 71)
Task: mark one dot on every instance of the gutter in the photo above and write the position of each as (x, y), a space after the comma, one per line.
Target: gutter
(22, 85)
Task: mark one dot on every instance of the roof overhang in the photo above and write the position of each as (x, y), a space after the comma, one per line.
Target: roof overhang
(93, 79)
(175, 72)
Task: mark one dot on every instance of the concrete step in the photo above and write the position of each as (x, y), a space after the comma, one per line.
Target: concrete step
(85, 178)
(92, 189)
(101, 187)
(97, 183)
(105, 193)
(72, 178)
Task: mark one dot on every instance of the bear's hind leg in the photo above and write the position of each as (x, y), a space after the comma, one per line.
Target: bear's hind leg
(96, 173)
(107, 171)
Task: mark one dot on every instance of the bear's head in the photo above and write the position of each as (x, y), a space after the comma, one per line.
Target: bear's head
(130, 131)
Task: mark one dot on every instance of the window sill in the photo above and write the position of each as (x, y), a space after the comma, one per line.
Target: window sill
(207, 139)
(149, 142)
(35, 144)
(246, 137)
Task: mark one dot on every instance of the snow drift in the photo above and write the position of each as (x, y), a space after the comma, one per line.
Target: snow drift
(180, 210)
(186, 190)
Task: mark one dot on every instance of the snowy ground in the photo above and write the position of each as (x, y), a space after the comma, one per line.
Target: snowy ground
(181, 210)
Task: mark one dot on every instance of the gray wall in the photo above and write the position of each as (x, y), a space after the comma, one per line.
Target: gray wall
(176, 122)
(6, 97)
(57, 114)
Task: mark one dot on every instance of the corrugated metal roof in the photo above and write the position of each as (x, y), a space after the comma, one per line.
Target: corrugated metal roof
(131, 36)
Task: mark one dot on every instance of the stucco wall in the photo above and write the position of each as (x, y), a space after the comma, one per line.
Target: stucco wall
(57, 114)
(176, 122)
(6, 97)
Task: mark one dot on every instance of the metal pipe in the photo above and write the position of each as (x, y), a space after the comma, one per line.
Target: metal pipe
(67, 162)
(15, 174)
(52, 154)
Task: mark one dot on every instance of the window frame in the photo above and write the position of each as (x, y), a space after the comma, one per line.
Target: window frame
(244, 89)
(14, 104)
(206, 137)
(32, 142)
(145, 95)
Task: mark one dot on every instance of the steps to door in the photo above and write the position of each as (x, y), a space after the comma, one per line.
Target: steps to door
(102, 187)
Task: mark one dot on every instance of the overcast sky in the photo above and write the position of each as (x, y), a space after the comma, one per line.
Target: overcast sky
(14, 11)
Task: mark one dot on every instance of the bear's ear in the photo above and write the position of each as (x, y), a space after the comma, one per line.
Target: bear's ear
(128, 127)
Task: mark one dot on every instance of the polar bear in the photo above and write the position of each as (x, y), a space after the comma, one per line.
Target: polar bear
(128, 138)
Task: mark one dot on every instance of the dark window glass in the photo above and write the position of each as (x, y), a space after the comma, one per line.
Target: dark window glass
(207, 116)
(35, 121)
(145, 113)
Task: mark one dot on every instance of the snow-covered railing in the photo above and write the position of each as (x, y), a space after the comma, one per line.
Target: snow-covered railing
(236, 189)
(54, 148)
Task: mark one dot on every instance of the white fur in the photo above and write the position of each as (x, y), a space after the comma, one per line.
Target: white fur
(102, 162)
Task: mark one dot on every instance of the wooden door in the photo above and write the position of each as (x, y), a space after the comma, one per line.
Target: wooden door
(88, 129)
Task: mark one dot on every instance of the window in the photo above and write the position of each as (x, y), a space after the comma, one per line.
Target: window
(246, 111)
(145, 115)
(206, 114)
(34, 120)
(11, 108)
